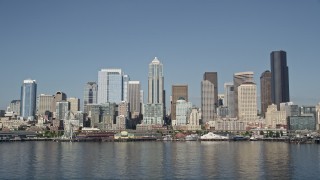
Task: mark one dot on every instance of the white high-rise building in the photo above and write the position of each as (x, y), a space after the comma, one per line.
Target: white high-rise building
(183, 110)
(110, 86)
(126, 80)
(155, 82)
(247, 102)
(318, 117)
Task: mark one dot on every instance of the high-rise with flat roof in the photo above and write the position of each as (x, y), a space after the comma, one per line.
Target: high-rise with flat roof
(134, 98)
(209, 96)
(265, 91)
(74, 104)
(279, 78)
(90, 94)
(229, 98)
(247, 102)
(44, 103)
(238, 79)
(28, 99)
(15, 107)
(110, 86)
(59, 96)
(178, 91)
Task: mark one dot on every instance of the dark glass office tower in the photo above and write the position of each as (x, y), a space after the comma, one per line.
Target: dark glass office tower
(279, 78)
(265, 91)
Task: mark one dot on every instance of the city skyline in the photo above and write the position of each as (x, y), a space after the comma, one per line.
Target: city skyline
(214, 36)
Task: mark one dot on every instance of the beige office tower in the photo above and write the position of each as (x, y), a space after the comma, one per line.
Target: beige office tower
(59, 96)
(178, 91)
(123, 109)
(247, 102)
(238, 79)
(134, 98)
(209, 96)
(74, 104)
(44, 104)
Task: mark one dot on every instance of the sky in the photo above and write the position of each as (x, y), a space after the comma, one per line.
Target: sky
(63, 44)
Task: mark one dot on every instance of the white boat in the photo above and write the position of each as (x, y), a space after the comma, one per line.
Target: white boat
(212, 136)
(252, 138)
(167, 138)
(192, 137)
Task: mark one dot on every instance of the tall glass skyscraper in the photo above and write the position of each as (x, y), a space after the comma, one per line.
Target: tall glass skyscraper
(155, 82)
(90, 94)
(110, 86)
(279, 78)
(28, 99)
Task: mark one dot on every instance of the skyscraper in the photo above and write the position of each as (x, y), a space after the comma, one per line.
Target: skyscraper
(247, 102)
(238, 79)
(229, 98)
(126, 80)
(155, 82)
(213, 78)
(28, 99)
(44, 103)
(90, 94)
(134, 98)
(62, 107)
(74, 104)
(15, 107)
(178, 91)
(279, 78)
(110, 86)
(59, 96)
(265, 91)
(207, 101)
(209, 96)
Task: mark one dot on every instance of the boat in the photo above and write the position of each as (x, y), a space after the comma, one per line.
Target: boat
(240, 138)
(192, 137)
(252, 138)
(167, 137)
(211, 136)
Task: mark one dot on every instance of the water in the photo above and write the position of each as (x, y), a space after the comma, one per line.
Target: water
(159, 160)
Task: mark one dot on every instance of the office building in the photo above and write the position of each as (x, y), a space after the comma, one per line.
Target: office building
(279, 78)
(229, 99)
(183, 111)
(247, 102)
(126, 80)
(238, 79)
(155, 82)
(134, 98)
(44, 104)
(28, 99)
(110, 86)
(153, 114)
(74, 104)
(178, 92)
(59, 96)
(209, 96)
(213, 78)
(15, 107)
(62, 108)
(90, 94)
(265, 91)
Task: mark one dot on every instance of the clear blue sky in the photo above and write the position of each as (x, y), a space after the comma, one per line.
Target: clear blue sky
(63, 44)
